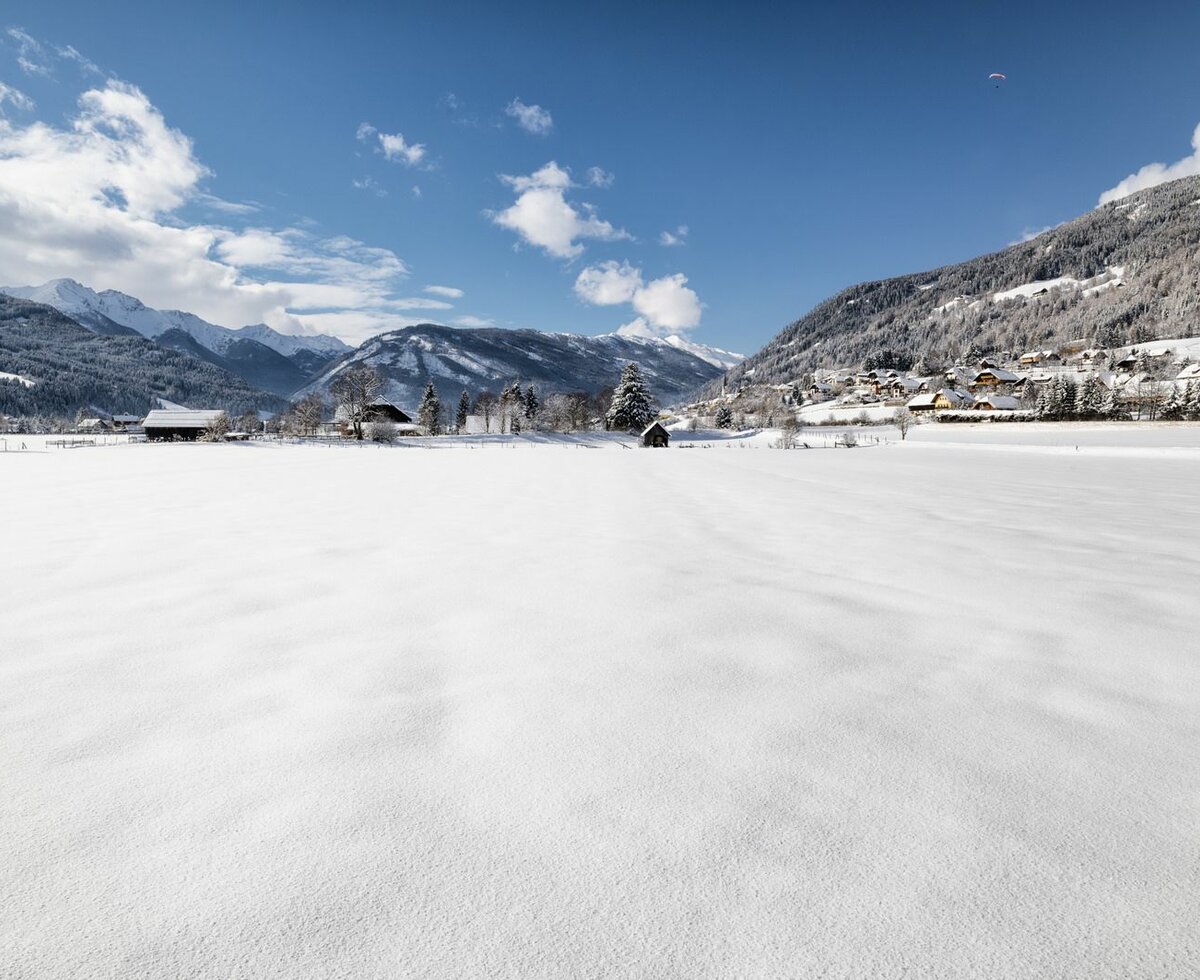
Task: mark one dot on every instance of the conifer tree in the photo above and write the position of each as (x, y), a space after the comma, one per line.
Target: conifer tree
(1175, 407)
(464, 408)
(515, 428)
(531, 404)
(1089, 398)
(1192, 405)
(724, 417)
(1112, 409)
(631, 410)
(430, 412)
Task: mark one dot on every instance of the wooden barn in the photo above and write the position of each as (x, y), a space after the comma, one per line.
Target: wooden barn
(655, 436)
(179, 424)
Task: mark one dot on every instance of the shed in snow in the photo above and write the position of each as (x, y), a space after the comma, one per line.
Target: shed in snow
(655, 436)
(186, 424)
(922, 403)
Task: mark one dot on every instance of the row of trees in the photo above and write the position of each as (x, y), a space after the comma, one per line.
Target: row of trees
(628, 407)
(1062, 398)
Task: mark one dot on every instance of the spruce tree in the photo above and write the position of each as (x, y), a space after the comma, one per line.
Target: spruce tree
(430, 412)
(1192, 406)
(516, 425)
(1175, 407)
(464, 408)
(531, 404)
(631, 410)
(1089, 398)
(724, 417)
(1112, 409)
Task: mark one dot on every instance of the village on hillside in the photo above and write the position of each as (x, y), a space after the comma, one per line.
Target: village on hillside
(1152, 382)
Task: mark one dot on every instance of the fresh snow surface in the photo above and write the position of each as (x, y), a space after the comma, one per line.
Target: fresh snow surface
(553, 711)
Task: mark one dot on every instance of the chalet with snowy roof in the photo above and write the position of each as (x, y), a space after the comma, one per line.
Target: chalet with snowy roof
(996, 403)
(123, 422)
(1093, 357)
(1190, 372)
(655, 436)
(820, 390)
(950, 398)
(94, 425)
(179, 424)
(904, 387)
(922, 403)
(1042, 357)
(994, 379)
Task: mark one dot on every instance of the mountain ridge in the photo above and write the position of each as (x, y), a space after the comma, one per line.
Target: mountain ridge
(1122, 273)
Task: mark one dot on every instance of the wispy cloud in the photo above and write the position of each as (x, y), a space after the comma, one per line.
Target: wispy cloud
(1029, 234)
(543, 217)
(450, 292)
(531, 118)
(32, 58)
(16, 98)
(369, 184)
(599, 177)
(393, 146)
(673, 238)
(1154, 174)
(472, 321)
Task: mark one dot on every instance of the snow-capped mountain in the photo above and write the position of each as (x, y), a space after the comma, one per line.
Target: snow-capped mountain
(273, 361)
(111, 306)
(722, 359)
(478, 360)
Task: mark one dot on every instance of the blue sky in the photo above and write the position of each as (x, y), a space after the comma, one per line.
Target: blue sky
(789, 153)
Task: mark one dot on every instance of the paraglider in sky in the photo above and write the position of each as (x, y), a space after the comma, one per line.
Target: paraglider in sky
(997, 77)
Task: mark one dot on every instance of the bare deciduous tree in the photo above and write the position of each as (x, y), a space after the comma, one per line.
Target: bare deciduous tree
(903, 420)
(354, 389)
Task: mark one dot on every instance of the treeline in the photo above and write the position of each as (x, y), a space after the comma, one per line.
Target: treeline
(75, 368)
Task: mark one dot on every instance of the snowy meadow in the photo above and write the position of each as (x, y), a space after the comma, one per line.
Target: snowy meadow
(920, 709)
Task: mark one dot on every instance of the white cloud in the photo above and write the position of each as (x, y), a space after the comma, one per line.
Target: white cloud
(416, 192)
(418, 303)
(608, 283)
(32, 58)
(665, 306)
(531, 118)
(69, 53)
(1029, 234)
(1154, 174)
(450, 292)
(393, 146)
(369, 184)
(100, 200)
(472, 321)
(668, 303)
(599, 177)
(543, 217)
(14, 97)
(676, 237)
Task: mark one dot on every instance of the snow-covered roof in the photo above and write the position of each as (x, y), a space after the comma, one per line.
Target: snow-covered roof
(922, 401)
(998, 373)
(1007, 402)
(656, 422)
(185, 418)
(1191, 372)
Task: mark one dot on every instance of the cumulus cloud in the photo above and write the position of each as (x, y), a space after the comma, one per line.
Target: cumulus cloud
(100, 200)
(15, 98)
(664, 306)
(608, 283)
(676, 237)
(543, 217)
(472, 321)
(393, 146)
(1154, 174)
(450, 292)
(599, 177)
(531, 118)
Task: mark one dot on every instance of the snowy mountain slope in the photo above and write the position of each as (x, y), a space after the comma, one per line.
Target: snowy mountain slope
(73, 367)
(1121, 274)
(478, 360)
(722, 359)
(74, 299)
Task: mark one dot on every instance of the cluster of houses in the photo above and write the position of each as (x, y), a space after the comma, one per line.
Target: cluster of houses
(993, 385)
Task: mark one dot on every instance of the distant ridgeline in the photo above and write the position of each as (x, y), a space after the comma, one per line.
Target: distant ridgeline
(60, 367)
(1124, 273)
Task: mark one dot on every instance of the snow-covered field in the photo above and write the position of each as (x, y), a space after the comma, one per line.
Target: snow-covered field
(907, 710)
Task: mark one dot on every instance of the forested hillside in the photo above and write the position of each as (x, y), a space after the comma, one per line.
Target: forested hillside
(71, 367)
(1127, 272)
